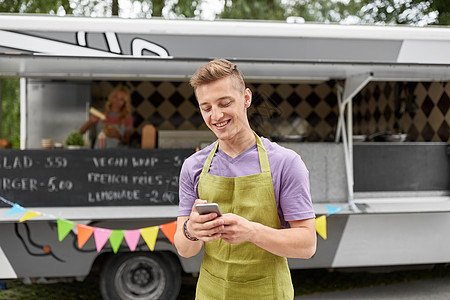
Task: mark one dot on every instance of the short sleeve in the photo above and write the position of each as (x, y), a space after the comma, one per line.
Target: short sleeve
(295, 196)
(187, 194)
(189, 178)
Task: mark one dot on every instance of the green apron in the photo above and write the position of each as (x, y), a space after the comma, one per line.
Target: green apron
(242, 271)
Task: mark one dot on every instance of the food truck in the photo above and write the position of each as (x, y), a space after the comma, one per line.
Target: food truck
(366, 107)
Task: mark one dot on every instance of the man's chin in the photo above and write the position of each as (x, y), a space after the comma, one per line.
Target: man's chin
(221, 135)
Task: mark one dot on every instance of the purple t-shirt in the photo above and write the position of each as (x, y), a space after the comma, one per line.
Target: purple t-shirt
(289, 175)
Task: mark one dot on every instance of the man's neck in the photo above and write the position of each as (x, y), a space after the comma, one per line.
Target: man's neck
(238, 144)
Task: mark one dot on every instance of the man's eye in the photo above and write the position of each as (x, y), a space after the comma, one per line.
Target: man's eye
(206, 109)
(226, 104)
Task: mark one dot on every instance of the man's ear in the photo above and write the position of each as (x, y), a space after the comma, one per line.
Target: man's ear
(247, 98)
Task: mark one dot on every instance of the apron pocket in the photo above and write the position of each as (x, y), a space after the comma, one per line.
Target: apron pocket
(209, 287)
(212, 287)
(255, 289)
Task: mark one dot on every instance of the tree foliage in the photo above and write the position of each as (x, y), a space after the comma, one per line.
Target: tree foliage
(11, 110)
(396, 12)
(416, 12)
(187, 8)
(413, 12)
(443, 7)
(139, 8)
(323, 10)
(253, 9)
(35, 6)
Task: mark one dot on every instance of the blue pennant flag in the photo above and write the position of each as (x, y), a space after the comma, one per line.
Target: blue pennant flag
(15, 209)
(333, 209)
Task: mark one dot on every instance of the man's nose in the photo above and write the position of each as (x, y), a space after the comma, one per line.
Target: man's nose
(216, 113)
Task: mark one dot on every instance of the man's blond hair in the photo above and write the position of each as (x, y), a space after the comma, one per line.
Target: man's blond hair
(215, 70)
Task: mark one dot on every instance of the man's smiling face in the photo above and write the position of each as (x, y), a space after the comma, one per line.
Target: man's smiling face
(224, 107)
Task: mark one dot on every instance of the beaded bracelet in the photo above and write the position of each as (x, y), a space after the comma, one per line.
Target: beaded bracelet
(186, 234)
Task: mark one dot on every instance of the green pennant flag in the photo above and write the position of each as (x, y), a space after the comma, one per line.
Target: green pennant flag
(115, 239)
(64, 227)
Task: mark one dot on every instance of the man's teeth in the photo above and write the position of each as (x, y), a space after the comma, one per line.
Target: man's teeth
(221, 124)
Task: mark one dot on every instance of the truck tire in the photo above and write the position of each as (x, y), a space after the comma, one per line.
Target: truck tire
(133, 276)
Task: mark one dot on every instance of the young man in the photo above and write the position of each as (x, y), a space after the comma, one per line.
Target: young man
(262, 190)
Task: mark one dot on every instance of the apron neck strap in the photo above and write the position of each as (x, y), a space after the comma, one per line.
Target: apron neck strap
(262, 154)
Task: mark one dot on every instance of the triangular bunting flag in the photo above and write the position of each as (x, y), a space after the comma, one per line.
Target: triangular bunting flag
(115, 239)
(84, 233)
(29, 215)
(169, 230)
(321, 226)
(332, 209)
(149, 234)
(132, 238)
(15, 209)
(101, 236)
(64, 227)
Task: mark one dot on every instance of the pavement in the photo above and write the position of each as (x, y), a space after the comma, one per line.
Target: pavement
(429, 289)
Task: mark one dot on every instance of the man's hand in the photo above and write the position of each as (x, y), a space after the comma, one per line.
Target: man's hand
(206, 228)
(237, 229)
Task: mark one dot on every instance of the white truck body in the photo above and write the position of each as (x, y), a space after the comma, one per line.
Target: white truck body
(393, 198)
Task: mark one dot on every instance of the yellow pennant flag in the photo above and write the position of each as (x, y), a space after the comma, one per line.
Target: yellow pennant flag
(149, 234)
(29, 215)
(321, 226)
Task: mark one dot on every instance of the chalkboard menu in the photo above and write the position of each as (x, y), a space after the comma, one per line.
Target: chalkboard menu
(110, 177)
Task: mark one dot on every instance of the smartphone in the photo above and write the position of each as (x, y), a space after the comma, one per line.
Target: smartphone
(207, 208)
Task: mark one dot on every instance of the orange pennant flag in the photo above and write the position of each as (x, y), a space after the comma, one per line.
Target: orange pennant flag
(321, 226)
(84, 233)
(149, 234)
(169, 230)
(29, 215)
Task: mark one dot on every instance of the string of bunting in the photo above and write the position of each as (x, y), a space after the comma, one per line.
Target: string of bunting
(321, 221)
(116, 236)
(101, 235)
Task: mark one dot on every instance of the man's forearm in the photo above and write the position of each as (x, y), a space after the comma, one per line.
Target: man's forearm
(185, 247)
(297, 242)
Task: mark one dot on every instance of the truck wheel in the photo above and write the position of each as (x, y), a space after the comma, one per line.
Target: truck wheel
(132, 276)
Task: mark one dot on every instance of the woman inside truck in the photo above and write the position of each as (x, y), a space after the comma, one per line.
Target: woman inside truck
(115, 127)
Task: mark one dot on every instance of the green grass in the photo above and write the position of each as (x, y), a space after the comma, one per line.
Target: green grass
(305, 282)
(74, 290)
